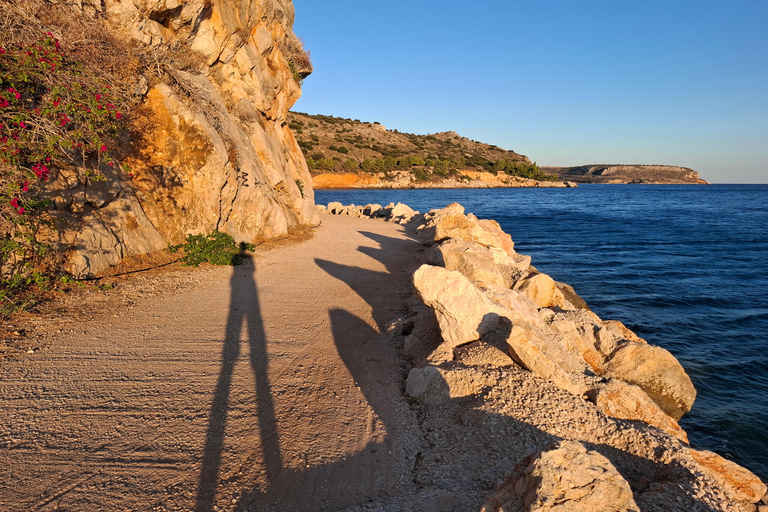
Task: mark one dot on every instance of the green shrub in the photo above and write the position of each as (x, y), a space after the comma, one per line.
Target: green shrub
(217, 249)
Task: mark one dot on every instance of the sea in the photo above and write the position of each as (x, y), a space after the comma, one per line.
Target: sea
(683, 266)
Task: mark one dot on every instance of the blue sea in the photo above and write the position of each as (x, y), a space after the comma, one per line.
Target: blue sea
(685, 267)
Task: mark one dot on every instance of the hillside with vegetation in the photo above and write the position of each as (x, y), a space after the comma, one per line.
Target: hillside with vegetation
(345, 146)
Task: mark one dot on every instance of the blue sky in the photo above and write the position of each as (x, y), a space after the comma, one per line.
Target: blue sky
(563, 82)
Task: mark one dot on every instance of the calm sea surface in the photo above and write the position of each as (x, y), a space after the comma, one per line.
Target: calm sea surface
(685, 267)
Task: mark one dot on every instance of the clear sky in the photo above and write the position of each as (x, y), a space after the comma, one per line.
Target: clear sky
(563, 82)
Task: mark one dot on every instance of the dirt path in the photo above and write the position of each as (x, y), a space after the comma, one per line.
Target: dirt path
(266, 387)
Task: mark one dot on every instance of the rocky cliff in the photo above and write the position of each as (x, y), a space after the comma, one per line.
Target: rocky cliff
(634, 174)
(407, 179)
(210, 146)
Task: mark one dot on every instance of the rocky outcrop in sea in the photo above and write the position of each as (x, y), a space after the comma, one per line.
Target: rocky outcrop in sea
(519, 386)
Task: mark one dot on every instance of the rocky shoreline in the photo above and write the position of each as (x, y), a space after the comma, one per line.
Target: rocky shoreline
(405, 179)
(512, 374)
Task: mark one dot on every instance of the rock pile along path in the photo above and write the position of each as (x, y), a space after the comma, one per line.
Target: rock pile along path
(263, 387)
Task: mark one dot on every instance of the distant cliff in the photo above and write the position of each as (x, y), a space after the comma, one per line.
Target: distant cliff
(209, 145)
(635, 174)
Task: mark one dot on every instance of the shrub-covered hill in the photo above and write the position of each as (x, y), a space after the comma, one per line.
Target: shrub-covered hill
(333, 144)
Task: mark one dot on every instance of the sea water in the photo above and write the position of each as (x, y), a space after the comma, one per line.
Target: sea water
(685, 267)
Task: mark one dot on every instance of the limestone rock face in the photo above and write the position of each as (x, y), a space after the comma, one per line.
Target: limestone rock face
(656, 372)
(567, 477)
(212, 151)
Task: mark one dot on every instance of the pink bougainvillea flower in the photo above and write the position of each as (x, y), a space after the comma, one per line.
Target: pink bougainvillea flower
(119, 115)
(22, 124)
(21, 211)
(3, 102)
(103, 148)
(25, 186)
(41, 171)
(15, 202)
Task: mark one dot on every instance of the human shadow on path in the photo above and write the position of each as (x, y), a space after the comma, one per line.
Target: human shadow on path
(244, 308)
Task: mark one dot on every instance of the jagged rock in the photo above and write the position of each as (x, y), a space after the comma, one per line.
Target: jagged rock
(370, 210)
(402, 213)
(578, 328)
(335, 207)
(544, 355)
(573, 301)
(477, 262)
(463, 312)
(520, 309)
(618, 399)
(321, 208)
(741, 482)
(568, 477)
(351, 211)
(656, 372)
(542, 290)
(451, 208)
(609, 334)
(494, 228)
(451, 223)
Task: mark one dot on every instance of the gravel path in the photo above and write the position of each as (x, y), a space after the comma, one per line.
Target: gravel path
(267, 383)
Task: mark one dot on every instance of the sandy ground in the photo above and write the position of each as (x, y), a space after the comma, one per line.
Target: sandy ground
(264, 387)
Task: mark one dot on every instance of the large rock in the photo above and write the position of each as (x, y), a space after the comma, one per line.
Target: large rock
(542, 290)
(543, 354)
(402, 213)
(463, 312)
(656, 372)
(578, 336)
(741, 482)
(450, 223)
(566, 478)
(519, 309)
(618, 399)
(211, 149)
(479, 263)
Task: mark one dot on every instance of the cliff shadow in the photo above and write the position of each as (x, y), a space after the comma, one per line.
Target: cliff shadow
(244, 311)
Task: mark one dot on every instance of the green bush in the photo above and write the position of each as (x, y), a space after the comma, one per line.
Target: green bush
(217, 249)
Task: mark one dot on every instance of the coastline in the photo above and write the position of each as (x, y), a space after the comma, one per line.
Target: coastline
(346, 336)
(406, 180)
(452, 368)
